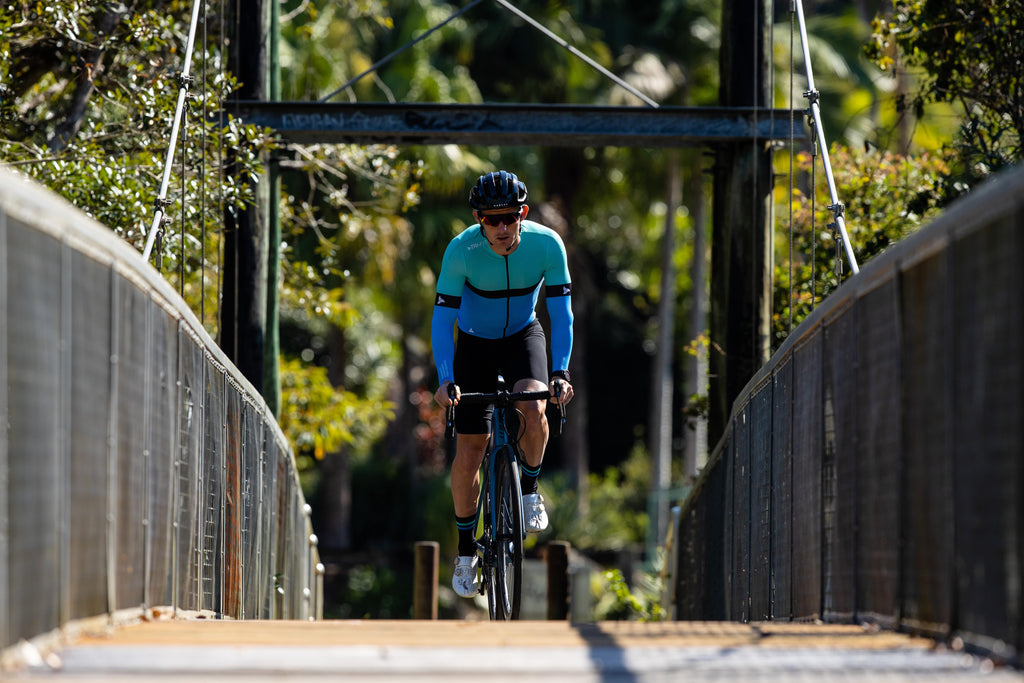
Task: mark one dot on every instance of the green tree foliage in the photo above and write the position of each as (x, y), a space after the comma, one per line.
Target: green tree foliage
(616, 518)
(851, 94)
(887, 197)
(967, 53)
(891, 176)
(320, 419)
(88, 94)
(616, 601)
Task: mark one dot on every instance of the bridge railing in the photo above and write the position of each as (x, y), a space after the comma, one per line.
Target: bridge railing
(874, 469)
(139, 471)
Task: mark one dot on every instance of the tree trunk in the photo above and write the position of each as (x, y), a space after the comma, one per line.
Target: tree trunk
(695, 371)
(741, 235)
(662, 389)
(333, 509)
(244, 308)
(563, 169)
(92, 62)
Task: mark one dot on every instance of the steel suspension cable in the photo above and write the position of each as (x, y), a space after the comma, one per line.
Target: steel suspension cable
(184, 80)
(384, 60)
(812, 95)
(572, 50)
(522, 15)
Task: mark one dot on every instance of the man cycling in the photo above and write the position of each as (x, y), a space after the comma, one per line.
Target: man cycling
(490, 281)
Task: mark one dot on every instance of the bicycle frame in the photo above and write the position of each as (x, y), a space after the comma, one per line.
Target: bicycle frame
(500, 505)
(501, 542)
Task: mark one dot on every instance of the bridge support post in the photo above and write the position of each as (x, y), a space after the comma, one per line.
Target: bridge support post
(424, 594)
(557, 560)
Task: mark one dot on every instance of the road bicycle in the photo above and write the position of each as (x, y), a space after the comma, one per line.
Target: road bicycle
(500, 507)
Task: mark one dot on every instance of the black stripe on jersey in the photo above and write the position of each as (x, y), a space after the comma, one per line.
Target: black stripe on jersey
(447, 300)
(558, 290)
(502, 293)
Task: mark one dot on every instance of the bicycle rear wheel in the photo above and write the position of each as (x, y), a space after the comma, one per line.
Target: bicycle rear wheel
(504, 595)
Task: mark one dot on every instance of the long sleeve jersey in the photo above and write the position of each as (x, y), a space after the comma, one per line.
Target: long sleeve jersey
(494, 296)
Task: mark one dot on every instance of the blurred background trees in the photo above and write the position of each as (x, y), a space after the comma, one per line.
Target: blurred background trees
(917, 110)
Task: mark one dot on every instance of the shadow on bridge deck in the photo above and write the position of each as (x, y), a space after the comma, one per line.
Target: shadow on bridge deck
(198, 649)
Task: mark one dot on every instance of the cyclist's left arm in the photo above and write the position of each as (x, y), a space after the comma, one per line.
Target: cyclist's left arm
(558, 291)
(560, 312)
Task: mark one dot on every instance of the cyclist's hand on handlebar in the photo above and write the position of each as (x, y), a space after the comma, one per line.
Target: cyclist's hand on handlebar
(561, 391)
(447, 394)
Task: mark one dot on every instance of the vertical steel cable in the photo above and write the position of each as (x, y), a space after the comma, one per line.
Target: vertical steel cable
(184, 187)
(220, 157)
(202, 179)
(233, 351)
(183, 82)
(792, 122)
(814, 226)
(758, 47)
(812, 95)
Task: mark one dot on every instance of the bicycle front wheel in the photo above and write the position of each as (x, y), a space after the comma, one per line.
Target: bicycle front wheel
(506, 580)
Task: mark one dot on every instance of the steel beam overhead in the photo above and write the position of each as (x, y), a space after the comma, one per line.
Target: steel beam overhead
(519, 124)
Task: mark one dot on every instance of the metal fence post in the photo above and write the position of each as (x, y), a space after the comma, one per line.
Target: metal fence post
(112, 427)
(5, 603)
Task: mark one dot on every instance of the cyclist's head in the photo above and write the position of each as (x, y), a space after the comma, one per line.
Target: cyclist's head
(497, 190)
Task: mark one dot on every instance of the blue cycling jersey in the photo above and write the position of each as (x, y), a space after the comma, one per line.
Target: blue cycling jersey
(494, 296)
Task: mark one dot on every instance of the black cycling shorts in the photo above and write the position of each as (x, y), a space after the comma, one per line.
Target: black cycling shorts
(479, 361)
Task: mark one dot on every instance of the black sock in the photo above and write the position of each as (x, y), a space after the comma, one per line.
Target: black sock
(467, 535)
(528, 478)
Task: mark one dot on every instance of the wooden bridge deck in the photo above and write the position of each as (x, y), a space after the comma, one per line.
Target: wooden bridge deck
(215, 650)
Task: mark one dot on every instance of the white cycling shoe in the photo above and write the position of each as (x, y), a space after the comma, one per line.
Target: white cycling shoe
(535, 517)
(465, 580)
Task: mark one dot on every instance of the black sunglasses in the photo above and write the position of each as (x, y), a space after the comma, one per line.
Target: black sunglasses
(497, 219)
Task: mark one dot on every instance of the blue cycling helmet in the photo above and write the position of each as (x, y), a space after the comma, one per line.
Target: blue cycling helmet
(497, 190)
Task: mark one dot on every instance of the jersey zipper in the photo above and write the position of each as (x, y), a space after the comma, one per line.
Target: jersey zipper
(508, 297)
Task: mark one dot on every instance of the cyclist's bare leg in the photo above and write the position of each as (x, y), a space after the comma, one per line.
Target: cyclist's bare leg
(535, 437)
(469, 453)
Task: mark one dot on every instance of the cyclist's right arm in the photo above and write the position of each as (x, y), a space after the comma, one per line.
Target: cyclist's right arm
(442, 340)
(450, 283)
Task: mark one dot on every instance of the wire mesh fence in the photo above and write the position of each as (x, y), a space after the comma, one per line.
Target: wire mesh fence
(872, 471)
(138, 469)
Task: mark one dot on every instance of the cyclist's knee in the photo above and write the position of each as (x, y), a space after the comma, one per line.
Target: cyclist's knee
(529, 385)
(533, 412)
(471, 446)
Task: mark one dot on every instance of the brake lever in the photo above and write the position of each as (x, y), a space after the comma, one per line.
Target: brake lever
(561, 409)
(449, 422)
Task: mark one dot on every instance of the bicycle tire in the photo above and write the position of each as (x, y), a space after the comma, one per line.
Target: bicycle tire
(506, 581)
(486, 542)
